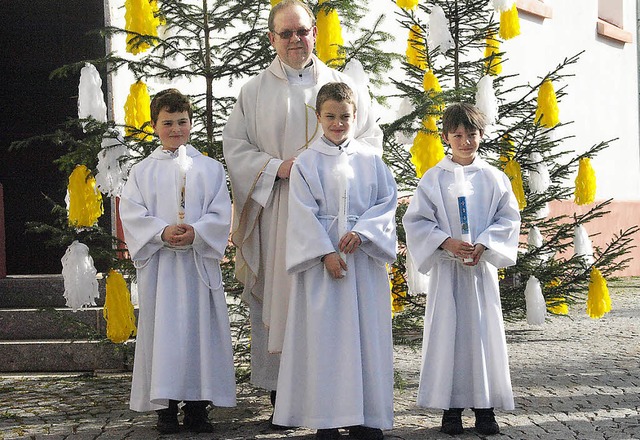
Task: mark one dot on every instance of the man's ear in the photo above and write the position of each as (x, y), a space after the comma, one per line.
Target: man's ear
(271, 37)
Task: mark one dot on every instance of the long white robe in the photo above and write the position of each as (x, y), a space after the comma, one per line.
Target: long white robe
(272, 121)
(183, 346)
(337, 360)
(464, 353)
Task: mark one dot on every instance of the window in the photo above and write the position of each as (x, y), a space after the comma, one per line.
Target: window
(611, 21)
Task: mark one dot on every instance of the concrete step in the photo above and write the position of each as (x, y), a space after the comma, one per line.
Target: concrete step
(65, 356)
(38, 291)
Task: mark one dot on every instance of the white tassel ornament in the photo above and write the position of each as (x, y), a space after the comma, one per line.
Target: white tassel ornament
(438, 33)
(535, 303)
(582, 245)
(90, 97)
(79, 274)
(486, 100)
(539, 179)
(112, 164)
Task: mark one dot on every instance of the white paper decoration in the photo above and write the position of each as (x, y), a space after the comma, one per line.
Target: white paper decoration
(112, 165)
(486, 100)
(438, 33)
(79, 274)
(535, 303)
(90, 97)
(582, 244)
(539, 179)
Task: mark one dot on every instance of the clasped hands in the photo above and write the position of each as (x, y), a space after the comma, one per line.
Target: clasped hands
(334, 264)
(464, 250)
(178, 235)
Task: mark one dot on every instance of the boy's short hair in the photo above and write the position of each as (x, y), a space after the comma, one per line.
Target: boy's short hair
(463, 113)
(285, 4)
(335, 91)
(172, 101)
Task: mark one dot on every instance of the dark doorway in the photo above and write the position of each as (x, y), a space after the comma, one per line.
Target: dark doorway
(36, 37)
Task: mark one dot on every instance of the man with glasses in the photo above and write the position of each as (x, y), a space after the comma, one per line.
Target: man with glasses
(271, 123)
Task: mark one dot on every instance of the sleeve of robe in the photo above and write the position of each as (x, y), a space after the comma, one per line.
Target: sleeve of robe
(501, 236)
(424, 234)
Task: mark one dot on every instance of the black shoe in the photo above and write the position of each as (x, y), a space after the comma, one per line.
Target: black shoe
(196, 417)
(486, 421)
(272, 398)
(168, 419)
(452, 421)
(365, 433)
(328, 434)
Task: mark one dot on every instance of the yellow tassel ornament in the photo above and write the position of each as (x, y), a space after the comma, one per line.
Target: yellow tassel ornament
(598, 299)
(547, 112)
(140, 19)
(431, 86)
(427, 149)
(513, 171)
(118, 310)
(493, 60)
(509, 23)
(329, 41)
(416, 48)
(85, 201)
(398, 285)
(407, 4)
(275, 2)
(137, 111)
(585, 191)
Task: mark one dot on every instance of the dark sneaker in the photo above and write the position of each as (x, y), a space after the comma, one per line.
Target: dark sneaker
(452, 421)
(365, 433)
(277, 427)
(168, 421)
(196, 417)
(486, 422)
(328, 434)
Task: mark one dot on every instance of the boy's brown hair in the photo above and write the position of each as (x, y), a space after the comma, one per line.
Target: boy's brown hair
(172, 101)
(462, 113)
(335, 91)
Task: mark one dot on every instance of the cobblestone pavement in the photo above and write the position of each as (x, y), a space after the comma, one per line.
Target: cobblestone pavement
(573, 378)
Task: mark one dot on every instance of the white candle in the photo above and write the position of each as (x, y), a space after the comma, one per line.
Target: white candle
(461, 191)
(184, 163)
(344, 172)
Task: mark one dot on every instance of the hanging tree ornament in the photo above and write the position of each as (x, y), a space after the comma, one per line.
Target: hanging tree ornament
(79, 275)
(112, 164)
(438, 33)
(513, 171)
(486, 100)
(427, 149)
(598, 299)
(582, 245)
(415, 48)
(118, 309)
(137, 112)
(585, 191)
(140, 19)
(493, 59)
(431, 86)
(398, 285)
(509, 23)
(535, 303)
(405, 108)
(539, 179)
(407, 4)
(85, 201)
(90, 97)
(329, 41)
(547, 112)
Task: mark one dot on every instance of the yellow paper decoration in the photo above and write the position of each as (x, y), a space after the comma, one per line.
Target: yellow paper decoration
(493, 61)
(416, 48)
(140, 18)
(513, 171)
(407, 4)
(547, 112)
(329, 41)
(509, 23)
(427, 149)
(85, 201)
(598, 299)
(557, 306)
(118, 310)
(585, 191)
(431, 85)
(137, 111)
(398, 285)
(275, 2)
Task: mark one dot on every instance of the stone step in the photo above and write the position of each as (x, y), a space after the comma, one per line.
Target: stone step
(52, 323)
(38, 291)
(65, 356)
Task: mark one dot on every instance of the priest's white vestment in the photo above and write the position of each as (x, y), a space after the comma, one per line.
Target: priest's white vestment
(273, 120)
(337, 361)
(464, 353)
(183, 346)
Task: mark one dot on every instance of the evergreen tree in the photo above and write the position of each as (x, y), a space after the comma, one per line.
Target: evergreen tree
(521, 140)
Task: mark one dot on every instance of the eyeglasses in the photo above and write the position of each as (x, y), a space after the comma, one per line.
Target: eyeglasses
(285, 35)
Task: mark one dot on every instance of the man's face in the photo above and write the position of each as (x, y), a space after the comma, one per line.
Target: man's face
(173, 129)
(296, 50)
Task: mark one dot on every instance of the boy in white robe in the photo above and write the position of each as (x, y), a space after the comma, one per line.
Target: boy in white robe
(183, 345)
(336, 367)
(465, 362)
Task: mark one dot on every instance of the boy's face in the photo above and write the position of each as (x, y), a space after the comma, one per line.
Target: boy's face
(464, 144)
(173, 129)
(336, 119)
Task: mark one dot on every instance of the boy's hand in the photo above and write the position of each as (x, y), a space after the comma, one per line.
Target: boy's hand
(478, 250)
(459, 248)
(349, 242)
(178, 235)
(335, 265)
